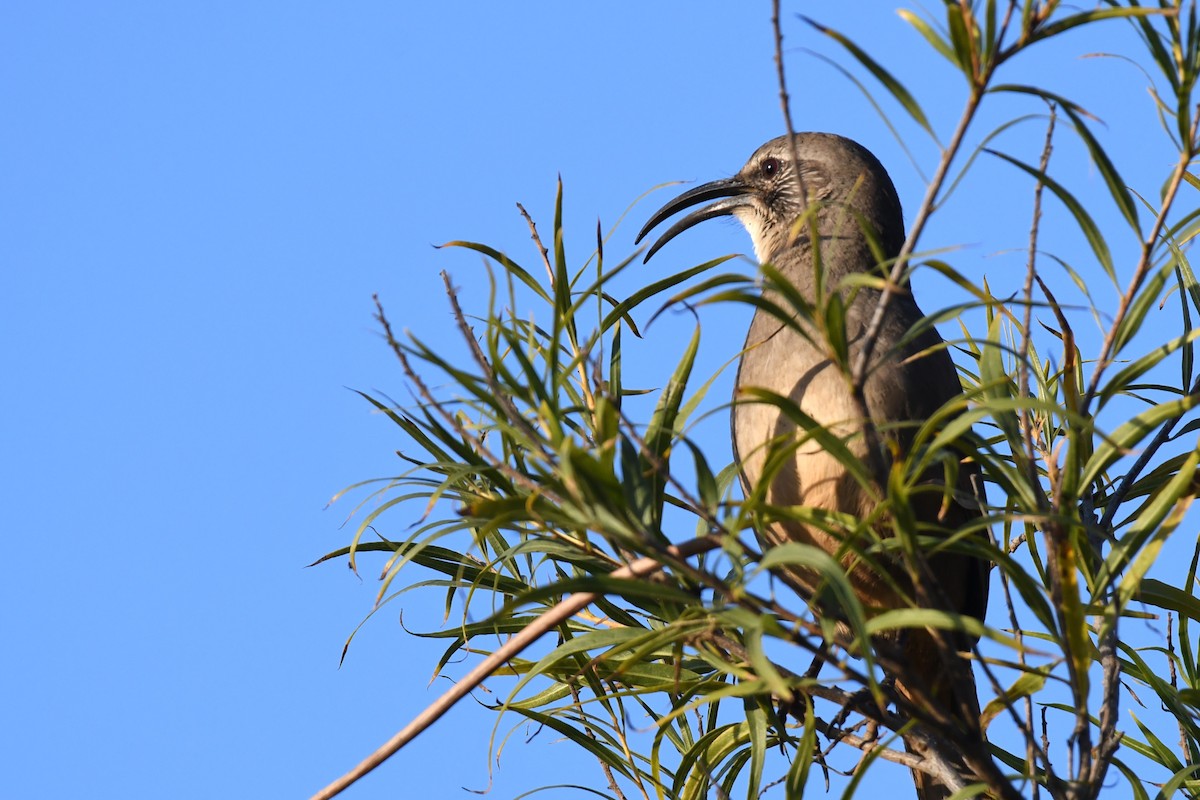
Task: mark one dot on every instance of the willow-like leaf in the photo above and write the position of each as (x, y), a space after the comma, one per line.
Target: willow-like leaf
(1082, 218)
(811, 430)
(606, 748)
(510, 266)
(696, 767)
(1027, 684)
(1147, 299)
(870, 98)
(1159, 750)
(1133, 779)
(1117, 188)
(1186, 648)
(1179, 780)
(897, 90)
(1138, 547)
(929, 34)
(661, 431)
(831, 574)
(904, 618)
(1136, 668)
(1154, 592)
(756, 721)
(658, 287)
(1129, 374)
(797, 775)
(961, 40)
(1129, 435)
(1087, 17)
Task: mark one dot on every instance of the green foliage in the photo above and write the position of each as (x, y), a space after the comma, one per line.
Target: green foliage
(542, 473)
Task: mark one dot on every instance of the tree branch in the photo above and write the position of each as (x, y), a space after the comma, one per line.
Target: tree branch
(510, 649)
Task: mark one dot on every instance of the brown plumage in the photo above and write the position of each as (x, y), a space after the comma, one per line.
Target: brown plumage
(910, 377)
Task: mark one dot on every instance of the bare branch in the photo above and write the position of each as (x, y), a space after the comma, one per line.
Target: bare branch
(547, 621)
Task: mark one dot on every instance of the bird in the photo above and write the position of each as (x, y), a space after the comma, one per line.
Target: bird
(823, 212)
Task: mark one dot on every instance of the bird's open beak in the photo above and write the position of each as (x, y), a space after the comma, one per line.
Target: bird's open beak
(733, 194)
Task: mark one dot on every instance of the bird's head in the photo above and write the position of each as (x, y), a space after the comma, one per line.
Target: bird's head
(837, 175)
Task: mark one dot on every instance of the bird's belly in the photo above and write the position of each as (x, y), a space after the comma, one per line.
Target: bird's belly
(788, 366)
(801, 471)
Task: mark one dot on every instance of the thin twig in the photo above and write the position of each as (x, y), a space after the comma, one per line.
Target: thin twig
(1062, 577)
(785, 101)
(547, 621)
(1046, 737)
(476, 442)
(1032, 753)
(489, 374)
(1183, 745)
(892, 285)
(569, 324)
(587, 729)
(1145, 262)
(1109, 737)
(537, 240)
(1023, 365)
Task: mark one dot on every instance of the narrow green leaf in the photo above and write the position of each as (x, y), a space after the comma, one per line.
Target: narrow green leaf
(1163, 753)
(884, 117)
(1125, 438)
(1140, 544)
(1177, 780)
(1137, 669)
(1133, 778)
(1170, 598)
(902, 95)
(660, 433)
(1028, 684)
(1147, 299)
(1186, 649)
(1121, 381)
(510, 266)
(811, 430)
(797, 776)
(996, 383)
(991, 41)
(903, 618)
(1084, 220)
(581, 738)
(658, 287)
(960, 39)
(756, 722)
(1117, 187)
(1189, 289)
(693, 777)
(830, 572)
(933, 37)
(1087, 17)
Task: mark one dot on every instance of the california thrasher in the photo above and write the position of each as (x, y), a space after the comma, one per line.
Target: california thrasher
(844, 199)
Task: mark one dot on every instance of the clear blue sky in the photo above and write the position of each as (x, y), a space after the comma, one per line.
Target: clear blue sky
(198, 202)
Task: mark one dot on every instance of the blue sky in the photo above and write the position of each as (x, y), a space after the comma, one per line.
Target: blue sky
(199, 201)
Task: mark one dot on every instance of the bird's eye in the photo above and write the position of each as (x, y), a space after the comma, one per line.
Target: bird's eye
(770, 167)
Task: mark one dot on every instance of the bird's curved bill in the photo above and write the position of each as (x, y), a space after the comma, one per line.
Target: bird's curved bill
(730, 195)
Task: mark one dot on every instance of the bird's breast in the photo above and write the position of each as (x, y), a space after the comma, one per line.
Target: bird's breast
(783, 361)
